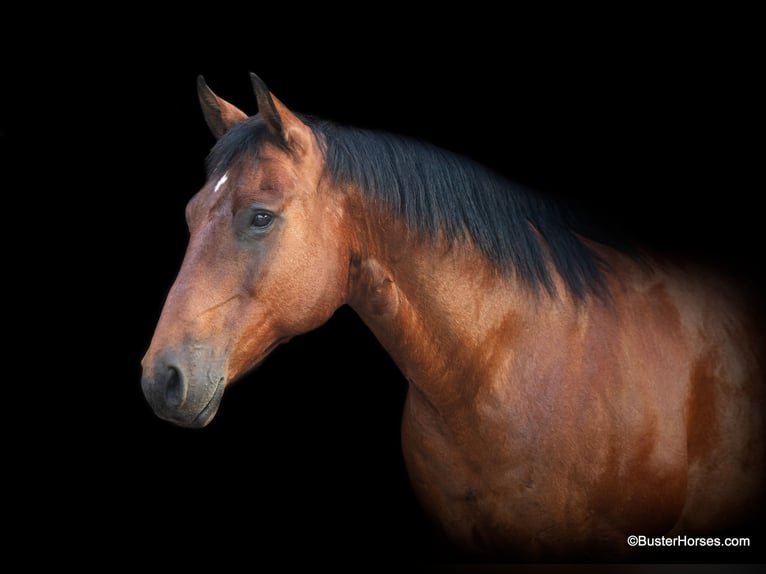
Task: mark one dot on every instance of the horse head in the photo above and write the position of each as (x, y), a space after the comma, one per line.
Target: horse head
(267, 258)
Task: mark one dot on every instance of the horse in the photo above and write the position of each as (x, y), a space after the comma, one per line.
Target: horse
(564, 391)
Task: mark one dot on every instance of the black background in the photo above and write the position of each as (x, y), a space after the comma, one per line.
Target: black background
(645, 121)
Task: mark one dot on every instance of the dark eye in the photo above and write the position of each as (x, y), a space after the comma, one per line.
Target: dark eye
(262, 219)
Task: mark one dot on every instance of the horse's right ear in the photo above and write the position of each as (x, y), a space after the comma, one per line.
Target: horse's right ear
(219, 114)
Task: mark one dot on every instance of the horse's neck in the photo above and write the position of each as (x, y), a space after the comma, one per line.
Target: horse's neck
(438, 312)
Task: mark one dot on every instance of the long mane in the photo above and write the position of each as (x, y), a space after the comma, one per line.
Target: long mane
(519, 231)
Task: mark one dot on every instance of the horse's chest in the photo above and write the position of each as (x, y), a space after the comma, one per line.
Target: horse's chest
(516, 494)
(469, 486)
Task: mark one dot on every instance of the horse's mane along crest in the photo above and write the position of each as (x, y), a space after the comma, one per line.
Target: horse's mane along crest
(434, 190)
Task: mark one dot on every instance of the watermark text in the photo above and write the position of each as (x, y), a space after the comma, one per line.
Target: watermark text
(683, 541)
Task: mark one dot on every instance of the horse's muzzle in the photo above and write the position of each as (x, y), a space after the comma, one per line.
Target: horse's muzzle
(180, 393)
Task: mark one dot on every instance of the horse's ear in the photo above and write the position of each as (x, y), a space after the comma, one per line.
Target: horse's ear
(281, 121)
(219, 114)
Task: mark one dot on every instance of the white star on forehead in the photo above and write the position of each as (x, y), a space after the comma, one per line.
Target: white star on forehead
(221, 181)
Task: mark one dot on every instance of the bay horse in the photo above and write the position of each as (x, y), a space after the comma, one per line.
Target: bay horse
(562, 393)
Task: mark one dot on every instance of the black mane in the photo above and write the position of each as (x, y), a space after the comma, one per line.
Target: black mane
(436, 190)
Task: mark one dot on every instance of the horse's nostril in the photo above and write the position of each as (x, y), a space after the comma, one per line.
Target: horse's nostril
(165, 384)
(175, 389)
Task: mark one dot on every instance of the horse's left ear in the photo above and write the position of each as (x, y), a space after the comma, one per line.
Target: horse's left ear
(281, 121)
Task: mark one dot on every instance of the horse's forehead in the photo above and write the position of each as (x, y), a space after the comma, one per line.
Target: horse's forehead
(266, 176)
(241, 176)
(263, 168)
(273, 172)
(263, 180)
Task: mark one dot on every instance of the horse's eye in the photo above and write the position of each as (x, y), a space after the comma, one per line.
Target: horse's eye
(262, 219)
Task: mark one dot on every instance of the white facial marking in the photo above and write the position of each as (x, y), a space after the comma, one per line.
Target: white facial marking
(221, 181)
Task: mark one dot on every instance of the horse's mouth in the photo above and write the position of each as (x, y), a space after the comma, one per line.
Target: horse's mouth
(208, 411)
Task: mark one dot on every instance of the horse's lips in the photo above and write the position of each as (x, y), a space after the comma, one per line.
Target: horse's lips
(210, 409)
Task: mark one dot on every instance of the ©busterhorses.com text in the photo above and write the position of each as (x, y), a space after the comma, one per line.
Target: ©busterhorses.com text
(682, 541)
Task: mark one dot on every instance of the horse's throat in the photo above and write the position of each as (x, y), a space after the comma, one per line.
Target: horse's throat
(374, 295)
